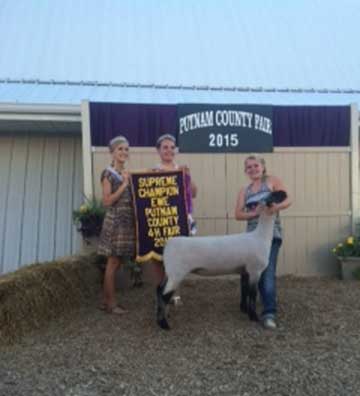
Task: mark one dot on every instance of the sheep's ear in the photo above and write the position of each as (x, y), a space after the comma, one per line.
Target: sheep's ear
(276, 197)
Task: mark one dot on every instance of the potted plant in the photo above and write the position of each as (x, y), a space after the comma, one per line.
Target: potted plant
(348, 254)
(89, 218)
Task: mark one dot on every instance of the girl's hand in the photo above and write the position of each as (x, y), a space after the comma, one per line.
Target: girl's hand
(255, 212)
(272, 209)
(126, 177)
(185, 168)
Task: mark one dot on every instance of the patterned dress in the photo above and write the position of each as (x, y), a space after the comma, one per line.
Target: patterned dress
(117, 236)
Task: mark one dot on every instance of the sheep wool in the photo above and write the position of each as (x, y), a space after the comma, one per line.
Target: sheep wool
(246, 253)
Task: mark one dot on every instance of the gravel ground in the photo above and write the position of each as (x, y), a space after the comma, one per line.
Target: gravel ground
(212, 348)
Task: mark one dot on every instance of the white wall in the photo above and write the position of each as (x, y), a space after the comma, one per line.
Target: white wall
(318, 180)
(41, 181)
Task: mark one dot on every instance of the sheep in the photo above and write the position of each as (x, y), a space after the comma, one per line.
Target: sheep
(246, 253)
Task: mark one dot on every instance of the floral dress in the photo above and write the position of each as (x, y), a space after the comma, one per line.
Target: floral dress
(117, 236)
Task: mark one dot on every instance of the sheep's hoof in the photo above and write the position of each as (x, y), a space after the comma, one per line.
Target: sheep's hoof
(163, 323)
(253, 316)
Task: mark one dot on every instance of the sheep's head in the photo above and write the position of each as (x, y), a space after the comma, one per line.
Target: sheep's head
(275, 197)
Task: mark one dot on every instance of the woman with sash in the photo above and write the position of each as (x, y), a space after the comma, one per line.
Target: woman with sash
(117, 239)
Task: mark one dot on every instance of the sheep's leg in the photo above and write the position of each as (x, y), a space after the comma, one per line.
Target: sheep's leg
(162, 301)
(245, 289)
(252, 301)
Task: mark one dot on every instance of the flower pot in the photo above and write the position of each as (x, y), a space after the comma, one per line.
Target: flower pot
(89, 244)
(348, 266)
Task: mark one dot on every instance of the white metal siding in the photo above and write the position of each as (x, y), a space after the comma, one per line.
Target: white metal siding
(41, 182)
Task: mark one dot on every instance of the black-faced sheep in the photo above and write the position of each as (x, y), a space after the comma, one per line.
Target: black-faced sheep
(246, 253)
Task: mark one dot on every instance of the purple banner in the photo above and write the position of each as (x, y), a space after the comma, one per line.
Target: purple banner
(293, 126)
(311, 126)
(160, 211)
(141, 124)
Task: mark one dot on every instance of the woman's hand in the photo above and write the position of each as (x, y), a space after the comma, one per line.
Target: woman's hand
(110, 198)
(126, 177)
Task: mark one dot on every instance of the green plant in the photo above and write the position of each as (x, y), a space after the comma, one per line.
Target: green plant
(89, 217)
(349, 248)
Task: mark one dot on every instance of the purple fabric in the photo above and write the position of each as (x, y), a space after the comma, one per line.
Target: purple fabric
(188, 193)
(311, 126)
(293, 126)
(141, 124)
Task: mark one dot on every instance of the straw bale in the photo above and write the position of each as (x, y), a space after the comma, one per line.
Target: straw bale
(35, 294)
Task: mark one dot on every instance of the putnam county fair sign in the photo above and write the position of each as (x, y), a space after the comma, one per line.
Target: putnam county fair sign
(225, 128)
(160, 211)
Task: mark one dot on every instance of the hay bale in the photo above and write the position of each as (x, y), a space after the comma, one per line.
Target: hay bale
(37, 293)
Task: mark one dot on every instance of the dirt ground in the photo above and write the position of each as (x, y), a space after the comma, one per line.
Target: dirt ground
(212, 349)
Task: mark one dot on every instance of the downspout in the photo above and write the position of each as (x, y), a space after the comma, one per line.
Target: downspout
(354, 143)
(86, 149)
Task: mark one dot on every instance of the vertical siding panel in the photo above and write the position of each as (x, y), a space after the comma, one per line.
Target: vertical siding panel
(100, 162)
(193, 163)
(135, 161)
(322, 182)
(15, 205)
(312, 241)
(300, 203)
(331, 264)
(277, 164)
(287, 172)
(220, 193)
(269, 161)
(202, 227)
(78, 188)
(300, 244)
(323, 243)
(48, 200)
(64, 197)
(333, 182)
(235, 226)
(32, 201)
(235, 180)
(311, 177)
(220, 227)
(288, 263)
(230, 184)
(205, 226)
(6, 147)
(139, 159)
(203, 210)
(344, 181)
(149, 159)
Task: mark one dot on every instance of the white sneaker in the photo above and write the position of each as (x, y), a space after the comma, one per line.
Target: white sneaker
(269, 324)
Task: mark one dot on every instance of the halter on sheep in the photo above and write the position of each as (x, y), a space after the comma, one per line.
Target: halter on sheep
(246, 253)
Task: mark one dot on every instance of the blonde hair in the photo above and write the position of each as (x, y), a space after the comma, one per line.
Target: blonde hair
(161, 138)
(260, 160)
(116, 141)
